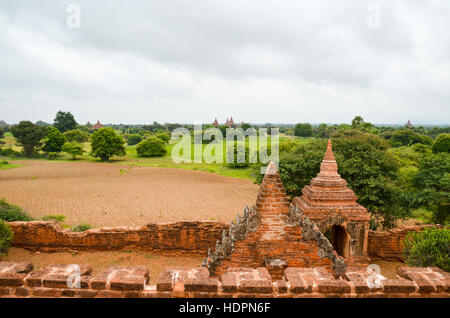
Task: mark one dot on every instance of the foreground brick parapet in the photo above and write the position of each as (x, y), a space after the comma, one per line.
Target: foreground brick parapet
(71, 280)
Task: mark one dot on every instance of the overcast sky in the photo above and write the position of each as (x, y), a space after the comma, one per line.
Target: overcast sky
(259, 61)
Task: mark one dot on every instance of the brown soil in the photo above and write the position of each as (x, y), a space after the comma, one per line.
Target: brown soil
(102, 260)
(388, 267)
(103, 194)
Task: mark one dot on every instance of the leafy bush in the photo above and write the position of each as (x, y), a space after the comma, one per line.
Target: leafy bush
(54, 140)
(430, 247)
(9, 152)
(164, 135)
(5, 236)
(81, 227)
(11, 213)
(441, 143)
(151, 147)
(134, 139)
(57, 218)
(77, 135)
(73, 148)
(106, 143)
(52, 155)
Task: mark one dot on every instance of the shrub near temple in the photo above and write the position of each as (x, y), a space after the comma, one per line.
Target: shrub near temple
(11, 213)
(5, 236)
(151, 147)
(430, 247)
(106, 143)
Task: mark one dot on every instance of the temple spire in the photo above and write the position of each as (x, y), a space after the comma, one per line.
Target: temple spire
(329, 156)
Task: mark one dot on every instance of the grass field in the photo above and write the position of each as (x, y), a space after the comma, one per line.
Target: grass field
(132, 159)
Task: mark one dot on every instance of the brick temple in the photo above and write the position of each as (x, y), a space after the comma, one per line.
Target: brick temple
(329, 203)
(274, 235)
(325, 227)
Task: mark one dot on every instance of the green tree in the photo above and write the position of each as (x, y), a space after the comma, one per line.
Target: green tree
(134, 139)
(77, 135)
(106, 143)
(433, 183)
(151, 147)
(357, 122)
(303, 130)
(441, 143)
(64, 121)
(246, 126)
(407, 137)
(73, 148)
(29, 136)
(54, 140)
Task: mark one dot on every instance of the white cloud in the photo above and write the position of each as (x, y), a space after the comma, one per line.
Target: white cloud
(260, 61)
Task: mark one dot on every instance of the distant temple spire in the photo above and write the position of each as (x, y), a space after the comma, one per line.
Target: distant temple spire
(408, 124)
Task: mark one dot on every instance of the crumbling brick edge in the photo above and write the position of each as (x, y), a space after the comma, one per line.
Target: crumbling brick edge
(19, 280)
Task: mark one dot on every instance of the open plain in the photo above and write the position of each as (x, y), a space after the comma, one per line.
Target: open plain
(103, 194)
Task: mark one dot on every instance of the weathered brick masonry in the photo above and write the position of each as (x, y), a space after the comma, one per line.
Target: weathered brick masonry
(58, 280)
(329, 203)
(182, 237)
(273, 235)
(188, 237)
(389, 244)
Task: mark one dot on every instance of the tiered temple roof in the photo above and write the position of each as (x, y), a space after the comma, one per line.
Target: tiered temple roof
(328, 193)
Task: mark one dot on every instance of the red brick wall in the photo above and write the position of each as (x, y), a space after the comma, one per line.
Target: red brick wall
(59, 280)
(389, 243)
(180, 237)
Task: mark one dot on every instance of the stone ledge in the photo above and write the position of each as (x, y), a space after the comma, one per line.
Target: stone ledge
(17, 280)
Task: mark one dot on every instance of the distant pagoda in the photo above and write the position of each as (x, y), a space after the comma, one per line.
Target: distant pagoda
(97, 126)
(408, 124)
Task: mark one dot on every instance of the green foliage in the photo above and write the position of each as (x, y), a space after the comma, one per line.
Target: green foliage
(134, 139)
(73, 148)
(77, 135)
(407, 137)
(163, 135)
(106, 143)
(11, 213)
(239, 156)
(151, 147)
(52, 155)
(2, 133)
(441, 144)
(64, 121)
(81, 227)
(433, 183)
(6, 236)
(430, 247)
(58, 218)
(54, 140)
(28, 135)
(303, 130)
